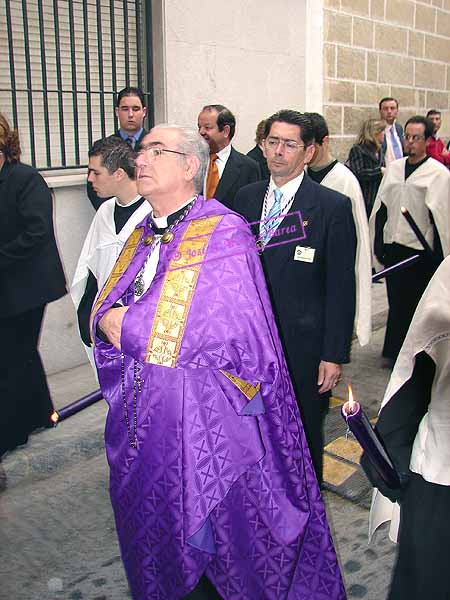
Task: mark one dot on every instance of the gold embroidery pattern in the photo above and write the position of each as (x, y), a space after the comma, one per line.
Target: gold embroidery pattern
(126, 256)
(249, 390)
(177, 292)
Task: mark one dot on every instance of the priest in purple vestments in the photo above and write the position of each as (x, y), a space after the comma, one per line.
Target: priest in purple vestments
(211, 477)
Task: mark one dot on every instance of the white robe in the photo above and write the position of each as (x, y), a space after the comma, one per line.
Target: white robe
(427, 189)
(102, 247)
(429, 332)
(341, 179)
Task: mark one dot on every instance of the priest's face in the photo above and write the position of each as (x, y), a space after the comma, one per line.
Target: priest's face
(415, 142)
(285, 151)
(104, 184)
(162, 170)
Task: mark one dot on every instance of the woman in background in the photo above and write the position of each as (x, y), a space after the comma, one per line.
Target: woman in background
(31, 275)
(365, 160)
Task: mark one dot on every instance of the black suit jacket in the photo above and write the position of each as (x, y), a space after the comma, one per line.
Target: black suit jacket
(96, 201)
(314, 303)
(240, 170)
(257, 155)
(31, 273)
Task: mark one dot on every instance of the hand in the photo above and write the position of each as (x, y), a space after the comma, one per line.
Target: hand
(329, 376)
(111, 324)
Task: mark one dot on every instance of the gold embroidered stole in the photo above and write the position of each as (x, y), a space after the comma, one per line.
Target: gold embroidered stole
(177, 292)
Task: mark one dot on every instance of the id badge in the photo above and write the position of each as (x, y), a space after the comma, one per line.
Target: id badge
(304, 254)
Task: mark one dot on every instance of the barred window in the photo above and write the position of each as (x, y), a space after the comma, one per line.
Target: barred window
(67, 61)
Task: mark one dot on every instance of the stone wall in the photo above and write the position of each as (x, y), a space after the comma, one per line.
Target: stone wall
(246, 55)
(376, 48)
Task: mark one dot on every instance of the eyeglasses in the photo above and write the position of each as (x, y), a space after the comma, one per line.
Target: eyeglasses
(155, 152)
(413, 138)
(288, 145)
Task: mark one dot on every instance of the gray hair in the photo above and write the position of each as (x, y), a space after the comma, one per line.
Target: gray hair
(191, 143)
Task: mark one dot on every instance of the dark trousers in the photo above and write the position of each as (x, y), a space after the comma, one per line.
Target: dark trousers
(404, 290)
(25, 402)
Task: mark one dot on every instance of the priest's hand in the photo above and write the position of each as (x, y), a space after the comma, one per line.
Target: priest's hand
(329, 376)
(111, 324)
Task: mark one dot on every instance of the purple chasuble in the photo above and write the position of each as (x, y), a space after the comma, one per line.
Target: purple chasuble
(221, 481)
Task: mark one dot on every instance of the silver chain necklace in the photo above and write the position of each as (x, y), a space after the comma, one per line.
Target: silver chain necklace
(165, 238)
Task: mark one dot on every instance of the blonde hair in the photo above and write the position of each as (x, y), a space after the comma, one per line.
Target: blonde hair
(9, 140)
(369, 129)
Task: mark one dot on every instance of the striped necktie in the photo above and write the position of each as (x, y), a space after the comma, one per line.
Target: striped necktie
(270, 224)
(398, 153)
(131, 141)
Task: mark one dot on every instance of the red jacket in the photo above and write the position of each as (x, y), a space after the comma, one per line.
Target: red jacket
(435, 147)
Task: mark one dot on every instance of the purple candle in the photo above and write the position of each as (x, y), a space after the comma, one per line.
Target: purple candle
(368, 439)
(74, 407)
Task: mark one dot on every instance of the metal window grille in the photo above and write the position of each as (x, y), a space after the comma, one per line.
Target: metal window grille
(67, 61)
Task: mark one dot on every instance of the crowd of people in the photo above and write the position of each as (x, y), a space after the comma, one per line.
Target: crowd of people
(217, 345)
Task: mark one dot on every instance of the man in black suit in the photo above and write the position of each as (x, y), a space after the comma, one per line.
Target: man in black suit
(131, 112)
(229, 170)
(392, 146)
(311, 280)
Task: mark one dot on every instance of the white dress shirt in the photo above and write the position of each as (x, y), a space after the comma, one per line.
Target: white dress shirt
(222, 157)
(288, 190)
(390, 156)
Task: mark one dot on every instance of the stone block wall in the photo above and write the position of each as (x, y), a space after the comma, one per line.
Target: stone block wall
(376, 48)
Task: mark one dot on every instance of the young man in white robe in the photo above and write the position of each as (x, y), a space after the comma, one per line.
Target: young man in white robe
(327, 171)
(112, 173)
(422, 185)
(414, 424)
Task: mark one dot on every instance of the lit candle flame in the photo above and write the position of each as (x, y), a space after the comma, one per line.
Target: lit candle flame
(351, 401)
(54, 418)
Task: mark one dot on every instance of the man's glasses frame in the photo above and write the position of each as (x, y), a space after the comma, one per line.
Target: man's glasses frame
(413, 138)
(288, 145)
(156, 152)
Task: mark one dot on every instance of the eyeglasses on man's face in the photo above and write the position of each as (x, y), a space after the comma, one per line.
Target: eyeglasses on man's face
(288, 145)
(155, 152)
(413, 138)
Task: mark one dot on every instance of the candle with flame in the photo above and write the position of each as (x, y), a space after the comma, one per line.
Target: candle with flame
(363, 431)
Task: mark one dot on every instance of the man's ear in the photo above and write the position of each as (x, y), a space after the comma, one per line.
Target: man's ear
(226, 130)
(119, 174)
(309, 153)
(193, 165)
(116, 110)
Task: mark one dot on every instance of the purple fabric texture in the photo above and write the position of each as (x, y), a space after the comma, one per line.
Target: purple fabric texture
(219, 483)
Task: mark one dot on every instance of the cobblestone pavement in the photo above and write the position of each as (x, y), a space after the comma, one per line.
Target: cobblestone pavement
(57, 535)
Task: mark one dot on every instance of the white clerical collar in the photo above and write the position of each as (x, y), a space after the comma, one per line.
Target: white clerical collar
(290, 188)
(224, 154)
(161, 222)
(135, 199)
